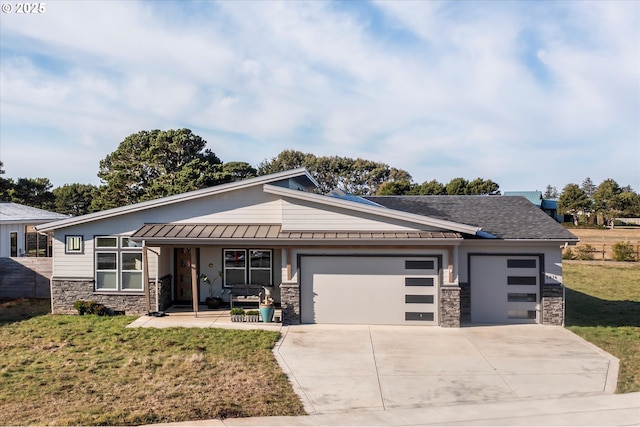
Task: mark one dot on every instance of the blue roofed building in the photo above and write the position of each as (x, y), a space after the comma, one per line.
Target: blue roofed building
(549, 206)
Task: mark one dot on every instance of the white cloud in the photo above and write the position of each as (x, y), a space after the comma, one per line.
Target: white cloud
(439, 89)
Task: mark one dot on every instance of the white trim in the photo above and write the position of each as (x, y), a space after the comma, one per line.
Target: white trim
(164, 201)
(379, 211)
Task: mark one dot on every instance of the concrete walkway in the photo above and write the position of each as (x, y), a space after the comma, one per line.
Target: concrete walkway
(402, 376)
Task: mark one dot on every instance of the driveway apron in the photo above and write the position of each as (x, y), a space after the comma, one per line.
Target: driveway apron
(343, 368)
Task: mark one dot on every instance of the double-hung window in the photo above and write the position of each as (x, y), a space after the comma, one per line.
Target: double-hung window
(253, 266)
(118, 264)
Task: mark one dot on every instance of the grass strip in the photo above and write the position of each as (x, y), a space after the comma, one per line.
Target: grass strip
(603, 307)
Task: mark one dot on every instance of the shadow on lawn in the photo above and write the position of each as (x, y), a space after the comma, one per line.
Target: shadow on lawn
(17, 310)
(586, 310)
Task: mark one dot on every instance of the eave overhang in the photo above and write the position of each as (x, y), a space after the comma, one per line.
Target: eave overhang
(188, 234)
(374, 210)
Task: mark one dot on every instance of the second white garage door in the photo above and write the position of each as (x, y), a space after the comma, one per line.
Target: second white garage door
(369, 290)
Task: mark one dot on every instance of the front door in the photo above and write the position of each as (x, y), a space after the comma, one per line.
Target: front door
(183, 288)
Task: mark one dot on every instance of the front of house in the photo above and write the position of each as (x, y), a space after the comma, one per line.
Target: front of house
(333, 258)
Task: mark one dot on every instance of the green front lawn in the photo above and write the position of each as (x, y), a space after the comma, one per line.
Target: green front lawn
(603, 307)
(89, 370)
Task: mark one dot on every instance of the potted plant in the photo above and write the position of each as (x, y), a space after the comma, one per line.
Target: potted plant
(252, 316)
(212, 301)
(267, 308)
(237, 314)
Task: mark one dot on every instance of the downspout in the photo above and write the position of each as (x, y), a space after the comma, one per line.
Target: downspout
(145, 277)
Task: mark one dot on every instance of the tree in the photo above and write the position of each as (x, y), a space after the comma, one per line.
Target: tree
(152, 164)
(5, 185)
(550, 192)
(394, 188)
(239, 170)
(355, 176)
(431, 188)
(457, 186)
(588, 187)
(573, 200)
(606, 199)
(34, 192)
(74, 199)
(481, 186)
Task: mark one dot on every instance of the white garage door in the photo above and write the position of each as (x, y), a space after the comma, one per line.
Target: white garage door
(505, 289)
(369, 290)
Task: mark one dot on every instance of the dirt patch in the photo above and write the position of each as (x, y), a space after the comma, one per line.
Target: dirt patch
(603, 239)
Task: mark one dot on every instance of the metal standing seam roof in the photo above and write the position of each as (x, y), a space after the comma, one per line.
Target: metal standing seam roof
(160, 232)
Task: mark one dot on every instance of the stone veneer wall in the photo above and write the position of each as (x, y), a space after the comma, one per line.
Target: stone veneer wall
(65, 292)
(465, 303)
(290, 303)
(552, 305)
(450, 307)
(164, 293)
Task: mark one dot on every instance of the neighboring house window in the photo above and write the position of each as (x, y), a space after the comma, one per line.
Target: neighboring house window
(118, 264)
(73, 245)
(13, 237)
(253, 266)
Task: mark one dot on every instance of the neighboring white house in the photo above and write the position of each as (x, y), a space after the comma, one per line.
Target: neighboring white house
(336, 258)
(17, 235)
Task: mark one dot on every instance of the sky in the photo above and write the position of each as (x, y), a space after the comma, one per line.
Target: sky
(525, 93)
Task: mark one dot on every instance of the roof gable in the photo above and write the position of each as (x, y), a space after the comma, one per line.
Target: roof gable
(300, 179)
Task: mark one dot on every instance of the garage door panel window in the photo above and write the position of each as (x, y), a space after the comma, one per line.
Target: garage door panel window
(521, 263)
(521, 314)
(420, 316)
(521, 297)
(419, 265)
(419, 281)
(522, 280)
(418, 299)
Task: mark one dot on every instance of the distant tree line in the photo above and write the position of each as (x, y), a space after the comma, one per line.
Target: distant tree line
(152, 164)
(589, 203)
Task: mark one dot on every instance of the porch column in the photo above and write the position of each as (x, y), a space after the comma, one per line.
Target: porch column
(145, 277)
(194, 280)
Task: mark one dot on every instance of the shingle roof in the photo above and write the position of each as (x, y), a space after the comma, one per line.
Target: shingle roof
(15, 212)
(504, 217)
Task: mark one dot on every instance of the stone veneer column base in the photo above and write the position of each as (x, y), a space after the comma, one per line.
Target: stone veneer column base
(552, 305)
(290, 303)
(450, 306)
(65, 292)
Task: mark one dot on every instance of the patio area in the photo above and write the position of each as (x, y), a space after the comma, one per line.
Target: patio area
(205, 318)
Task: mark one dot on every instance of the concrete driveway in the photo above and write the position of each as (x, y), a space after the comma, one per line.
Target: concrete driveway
(344, 368)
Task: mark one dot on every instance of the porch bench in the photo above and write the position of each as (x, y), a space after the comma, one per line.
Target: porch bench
(245, 293)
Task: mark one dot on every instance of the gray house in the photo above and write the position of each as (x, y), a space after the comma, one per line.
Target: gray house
(17, 234)
(333, 258)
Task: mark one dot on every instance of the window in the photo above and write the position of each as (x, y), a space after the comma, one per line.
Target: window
(419, 265)
(418, 299)
(248, 266)
(516, 297)
(427, 317)
(521, 314)
(418, 281)
(73, 245)
(521, 280)
(118, 267)
(13, 237)
(521, 263)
